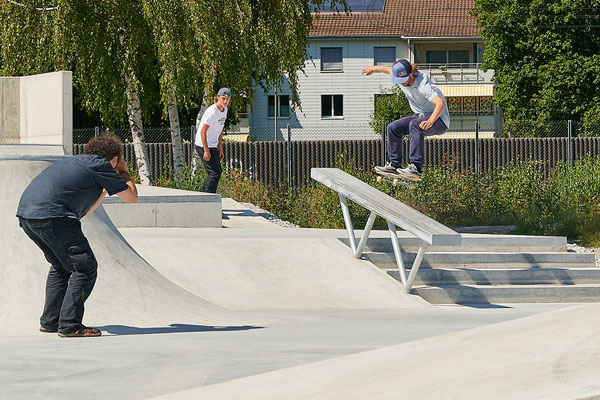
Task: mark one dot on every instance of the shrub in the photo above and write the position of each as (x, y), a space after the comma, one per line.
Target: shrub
(566, 203)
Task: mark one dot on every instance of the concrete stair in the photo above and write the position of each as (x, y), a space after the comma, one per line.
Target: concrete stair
(495, 269)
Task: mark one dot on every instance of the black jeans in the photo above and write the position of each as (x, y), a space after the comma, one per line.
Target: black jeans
(213, 169)
(72, 273)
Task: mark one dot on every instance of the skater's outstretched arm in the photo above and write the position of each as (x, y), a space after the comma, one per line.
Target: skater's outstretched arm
(377, 68)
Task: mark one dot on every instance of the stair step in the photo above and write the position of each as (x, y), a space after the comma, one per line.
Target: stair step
(473, 243)
(477, 260)
(486, 294)
(531, 276)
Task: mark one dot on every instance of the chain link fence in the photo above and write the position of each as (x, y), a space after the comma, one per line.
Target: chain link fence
(290, 162)
(288, 159)
(525, 129)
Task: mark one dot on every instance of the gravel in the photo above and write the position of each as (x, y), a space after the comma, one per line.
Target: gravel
(572, 247)
(271, 217)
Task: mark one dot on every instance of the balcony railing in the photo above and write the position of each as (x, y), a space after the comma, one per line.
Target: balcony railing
(457, 73)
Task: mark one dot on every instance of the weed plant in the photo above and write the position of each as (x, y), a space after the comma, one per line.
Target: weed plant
(565, 203)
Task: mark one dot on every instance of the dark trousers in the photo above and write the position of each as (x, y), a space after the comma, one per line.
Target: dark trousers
(72, 273)
(213, 169)
(410, 126)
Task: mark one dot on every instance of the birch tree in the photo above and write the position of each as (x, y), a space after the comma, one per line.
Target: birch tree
(106, 44)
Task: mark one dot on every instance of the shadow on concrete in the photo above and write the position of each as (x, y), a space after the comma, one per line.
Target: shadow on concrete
(483, 306)
(122, 330)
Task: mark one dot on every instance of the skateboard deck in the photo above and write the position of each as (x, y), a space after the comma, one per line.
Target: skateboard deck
(396, 178)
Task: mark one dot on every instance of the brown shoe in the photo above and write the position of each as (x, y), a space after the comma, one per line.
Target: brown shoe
(82, 332)
(48, 330)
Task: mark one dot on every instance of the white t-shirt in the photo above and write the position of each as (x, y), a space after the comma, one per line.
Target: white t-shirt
(420, 94)
(215, 119)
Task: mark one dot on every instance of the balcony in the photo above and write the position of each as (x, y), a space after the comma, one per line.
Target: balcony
(456, 74)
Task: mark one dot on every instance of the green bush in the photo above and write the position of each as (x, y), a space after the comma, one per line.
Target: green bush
(390, 105)
(566, 203)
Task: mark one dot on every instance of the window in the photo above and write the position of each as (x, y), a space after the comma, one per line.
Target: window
(283, 101)
(447, 57)
(470, 106)
(331, 59)
(435, 57)
(384, 56)
(458, 56)
(332, 106)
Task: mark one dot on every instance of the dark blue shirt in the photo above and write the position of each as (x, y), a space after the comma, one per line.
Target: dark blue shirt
(69, 188)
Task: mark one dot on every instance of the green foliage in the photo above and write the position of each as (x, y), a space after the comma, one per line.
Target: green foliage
(546, 54)
(190, 48)
(390, 105)
(567, 203)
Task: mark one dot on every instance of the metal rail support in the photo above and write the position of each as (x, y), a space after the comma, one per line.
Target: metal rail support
(357, 249)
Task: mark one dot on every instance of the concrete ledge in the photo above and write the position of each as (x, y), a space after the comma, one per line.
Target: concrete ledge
(165, 207)
(475, 294)
(31, 149)
(479, 260)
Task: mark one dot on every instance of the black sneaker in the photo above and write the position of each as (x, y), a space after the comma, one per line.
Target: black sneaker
(82, 332)
(48, 330)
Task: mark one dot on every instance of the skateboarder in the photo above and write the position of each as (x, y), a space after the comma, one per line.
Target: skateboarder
(209, 141)
(49, 212)
(431, 117)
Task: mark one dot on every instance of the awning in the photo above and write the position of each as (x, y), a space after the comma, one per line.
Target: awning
(466, 90)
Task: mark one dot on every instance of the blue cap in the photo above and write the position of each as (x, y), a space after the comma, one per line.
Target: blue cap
(401, 71)
(224, 92)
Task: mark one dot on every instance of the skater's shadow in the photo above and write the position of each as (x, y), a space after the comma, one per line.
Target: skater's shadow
(121, 330)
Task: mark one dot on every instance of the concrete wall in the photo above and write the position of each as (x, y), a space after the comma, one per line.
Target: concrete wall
(37, 109)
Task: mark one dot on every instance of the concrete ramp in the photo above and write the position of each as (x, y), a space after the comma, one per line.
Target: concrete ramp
(128, 290)
(271, 271)
(547, 356)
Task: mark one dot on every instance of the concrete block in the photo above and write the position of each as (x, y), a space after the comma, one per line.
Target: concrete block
(164, 207)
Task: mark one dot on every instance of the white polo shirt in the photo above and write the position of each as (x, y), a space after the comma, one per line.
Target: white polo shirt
(215, 119)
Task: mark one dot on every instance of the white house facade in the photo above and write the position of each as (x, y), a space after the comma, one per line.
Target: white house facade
(337, 101)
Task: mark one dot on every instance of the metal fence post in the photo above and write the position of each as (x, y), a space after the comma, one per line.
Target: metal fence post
(192, 141)
(289, 156)
(570, 142)
(477, 148)
(96, 131)
(383, 144)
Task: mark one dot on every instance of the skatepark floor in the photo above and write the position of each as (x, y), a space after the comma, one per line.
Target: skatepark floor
(140, 362)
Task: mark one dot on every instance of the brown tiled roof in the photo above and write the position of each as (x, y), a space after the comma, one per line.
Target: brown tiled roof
(431, 18)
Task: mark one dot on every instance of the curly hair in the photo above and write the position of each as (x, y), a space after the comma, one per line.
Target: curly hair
(105, 145)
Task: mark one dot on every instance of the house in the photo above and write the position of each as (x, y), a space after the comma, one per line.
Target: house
(337, 101)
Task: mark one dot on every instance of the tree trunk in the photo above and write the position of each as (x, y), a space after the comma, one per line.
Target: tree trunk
(175, 139)
(134, 115)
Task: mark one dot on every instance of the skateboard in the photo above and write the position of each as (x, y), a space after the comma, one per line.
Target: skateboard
(396, 179)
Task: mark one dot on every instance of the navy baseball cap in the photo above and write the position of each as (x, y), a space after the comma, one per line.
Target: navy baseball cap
(401, 71)
(224, 92)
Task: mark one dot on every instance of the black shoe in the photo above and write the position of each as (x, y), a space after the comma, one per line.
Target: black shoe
(82, 332)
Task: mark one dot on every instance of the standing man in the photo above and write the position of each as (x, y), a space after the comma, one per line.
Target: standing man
(49, 212)
(209, 141)
(431, 117)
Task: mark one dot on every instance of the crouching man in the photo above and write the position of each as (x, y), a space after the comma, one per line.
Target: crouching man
(49, 212)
